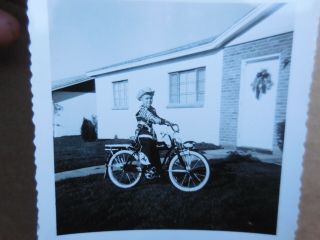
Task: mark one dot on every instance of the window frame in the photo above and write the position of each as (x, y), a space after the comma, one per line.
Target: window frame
(122, 107)
(197, 103)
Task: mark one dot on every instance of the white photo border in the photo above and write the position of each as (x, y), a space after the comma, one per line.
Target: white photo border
(302, 64)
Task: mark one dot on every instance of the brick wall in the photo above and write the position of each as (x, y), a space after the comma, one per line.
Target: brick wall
(233, 55)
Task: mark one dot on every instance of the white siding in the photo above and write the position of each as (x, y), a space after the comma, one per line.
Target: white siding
(75, 106)
(199, 124)
(281, 21)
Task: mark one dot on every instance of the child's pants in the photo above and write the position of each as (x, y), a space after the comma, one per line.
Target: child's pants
(149, 148)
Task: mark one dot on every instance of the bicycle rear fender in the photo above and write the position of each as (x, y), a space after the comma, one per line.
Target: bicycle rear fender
(111, 149)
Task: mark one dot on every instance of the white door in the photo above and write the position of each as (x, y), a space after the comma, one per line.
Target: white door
(257, 102)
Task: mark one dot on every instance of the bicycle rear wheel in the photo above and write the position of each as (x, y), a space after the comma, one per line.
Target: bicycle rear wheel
(191, 177)
(124, 169)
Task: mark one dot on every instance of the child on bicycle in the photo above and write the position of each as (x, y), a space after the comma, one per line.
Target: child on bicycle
(146, 117)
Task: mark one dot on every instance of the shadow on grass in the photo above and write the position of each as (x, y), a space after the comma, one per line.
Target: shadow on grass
(242, 195)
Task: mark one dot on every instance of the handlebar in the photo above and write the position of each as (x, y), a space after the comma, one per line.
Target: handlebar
(174, 127)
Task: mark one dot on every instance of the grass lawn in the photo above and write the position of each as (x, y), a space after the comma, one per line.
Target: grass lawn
(72, 152)
(242, 195)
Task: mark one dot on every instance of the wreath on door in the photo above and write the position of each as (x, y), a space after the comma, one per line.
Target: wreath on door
(261, 83)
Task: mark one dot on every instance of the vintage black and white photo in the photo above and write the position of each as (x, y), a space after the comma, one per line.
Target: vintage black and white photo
(171, 115)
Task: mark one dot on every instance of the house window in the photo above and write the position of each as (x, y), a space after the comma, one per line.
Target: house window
(120, 100)
(187, 88)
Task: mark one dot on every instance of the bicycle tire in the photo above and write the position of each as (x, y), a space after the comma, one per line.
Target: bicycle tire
(192, 179)
(120, 177)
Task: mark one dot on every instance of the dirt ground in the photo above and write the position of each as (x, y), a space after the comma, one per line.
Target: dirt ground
(242, 195)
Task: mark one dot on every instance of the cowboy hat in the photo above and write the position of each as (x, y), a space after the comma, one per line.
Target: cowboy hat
(144, 91)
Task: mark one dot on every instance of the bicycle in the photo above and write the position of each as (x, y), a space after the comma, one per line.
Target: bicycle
(188, 169)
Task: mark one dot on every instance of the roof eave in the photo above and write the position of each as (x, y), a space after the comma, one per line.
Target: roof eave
(253, 17)
(75, 82)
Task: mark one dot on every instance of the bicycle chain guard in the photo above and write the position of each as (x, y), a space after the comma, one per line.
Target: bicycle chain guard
(143, 159)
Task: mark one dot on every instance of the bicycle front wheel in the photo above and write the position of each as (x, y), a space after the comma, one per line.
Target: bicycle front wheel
(191, 174)
(124, 170)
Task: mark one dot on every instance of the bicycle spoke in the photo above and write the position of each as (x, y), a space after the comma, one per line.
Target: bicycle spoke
(194, 184)
(178, 171)
(201, 170)
(116, 167)
(133, 176)
(195, 175)
(177, 163)
(128, 177)
(124, 158)
(196, 164)
(121, 176)
(117, 172)
(119, 161)
(183, 179)
(198, 174)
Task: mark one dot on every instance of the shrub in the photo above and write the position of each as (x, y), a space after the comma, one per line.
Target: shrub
(239, 156)
(57, 108)
(88, 130)
(95, 122)
(206, 146)
(281, 127)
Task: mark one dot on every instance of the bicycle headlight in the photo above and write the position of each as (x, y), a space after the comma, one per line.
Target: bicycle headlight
(188, 144)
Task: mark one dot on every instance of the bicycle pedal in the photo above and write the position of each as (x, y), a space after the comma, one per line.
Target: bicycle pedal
(151, 173)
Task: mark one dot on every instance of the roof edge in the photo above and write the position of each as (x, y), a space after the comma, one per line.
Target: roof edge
(67, 82)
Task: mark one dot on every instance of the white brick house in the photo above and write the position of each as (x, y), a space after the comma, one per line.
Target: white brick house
(207, 87)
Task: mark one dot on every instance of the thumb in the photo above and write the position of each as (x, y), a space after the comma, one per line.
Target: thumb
(9, 28)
